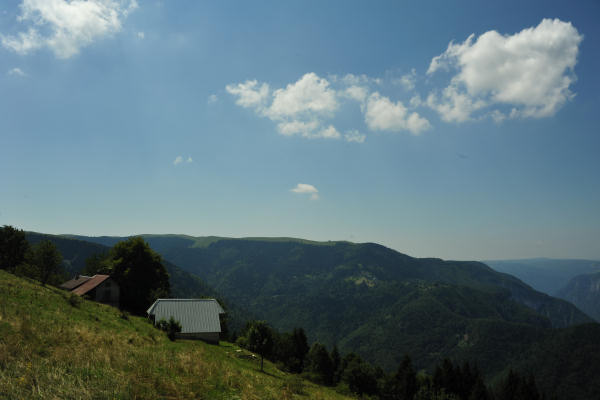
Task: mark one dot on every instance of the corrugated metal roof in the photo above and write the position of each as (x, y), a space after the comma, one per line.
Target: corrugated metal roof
(92, 283)
(73, 283)
(194, 315)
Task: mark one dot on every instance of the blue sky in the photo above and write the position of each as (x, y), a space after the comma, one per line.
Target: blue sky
(464, 130)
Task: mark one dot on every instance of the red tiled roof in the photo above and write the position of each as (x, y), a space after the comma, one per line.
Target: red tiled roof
(91, 284)
(73, 283)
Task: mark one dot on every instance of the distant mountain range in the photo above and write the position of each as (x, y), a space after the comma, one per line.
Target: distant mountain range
(375, 301)
(584, 292)
(545, 274)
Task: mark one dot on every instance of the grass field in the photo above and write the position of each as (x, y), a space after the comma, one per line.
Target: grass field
(55, 346)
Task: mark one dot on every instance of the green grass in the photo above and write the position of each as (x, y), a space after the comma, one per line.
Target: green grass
(54, 347)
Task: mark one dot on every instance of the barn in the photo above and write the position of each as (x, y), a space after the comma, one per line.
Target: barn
(101, 288)
(199, 318)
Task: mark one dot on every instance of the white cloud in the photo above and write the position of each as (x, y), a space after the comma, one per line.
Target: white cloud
(249, 94)
(304, 188)
(384, 115)
(355, 136)
(454, 105)
(212, 99)
(298, 109)
(310, 94)
(66, 26)
(329, 133)
(357, 93)
(408, 80)
(141, 35)
(189, 160)
(530, 71)
(16, 72)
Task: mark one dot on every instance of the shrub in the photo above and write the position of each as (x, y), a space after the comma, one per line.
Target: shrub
(172, 327)
(74, 300)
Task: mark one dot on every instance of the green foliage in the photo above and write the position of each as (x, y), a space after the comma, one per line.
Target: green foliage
(259, 338)
(402, 384)
(13, 247)
(360, 376)
(172, 327)
(515, 387)
(320, 368)
(74, 300)
(140, 274)
(41, 261)
(46, 257)
(290, 350)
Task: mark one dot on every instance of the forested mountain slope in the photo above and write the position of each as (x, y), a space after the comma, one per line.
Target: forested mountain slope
(373, 300)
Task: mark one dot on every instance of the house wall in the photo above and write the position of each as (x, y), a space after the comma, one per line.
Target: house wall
(107, 292)
(211, 337)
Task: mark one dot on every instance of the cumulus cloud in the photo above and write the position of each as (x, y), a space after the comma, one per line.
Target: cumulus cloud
(16, 72)
(303, 108)
(384, 115)
(530, 71)
(66, 26)
(310, 94)
(212, 99)
(298, 109)
(304, 188)
(141, 35)
(354, 136)
(189, 160)
(493, 76)
(250, 94)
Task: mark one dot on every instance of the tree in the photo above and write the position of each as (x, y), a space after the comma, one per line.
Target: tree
(336, 361)
(320, 366)
(13, 247)
(290, 350)
(403, 384)
(46, 257)
(139, 272)
(360, 376)
(259, 338)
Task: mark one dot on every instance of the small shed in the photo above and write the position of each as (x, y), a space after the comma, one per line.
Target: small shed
(199, 318)
(101, 288)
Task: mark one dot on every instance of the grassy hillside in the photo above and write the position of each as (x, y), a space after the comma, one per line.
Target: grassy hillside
(54, 347)
(183, 283)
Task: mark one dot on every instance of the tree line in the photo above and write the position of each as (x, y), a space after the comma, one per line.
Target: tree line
(137, 269)
(42, 262)
(351, 374)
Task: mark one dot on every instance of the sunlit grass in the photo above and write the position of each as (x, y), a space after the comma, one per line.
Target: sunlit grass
(54, 348)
